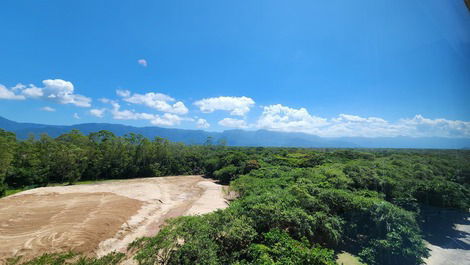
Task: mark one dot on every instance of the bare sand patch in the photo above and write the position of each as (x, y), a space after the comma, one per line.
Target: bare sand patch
(97, 219)
(31, 224)
(212, 198)
(455, 249)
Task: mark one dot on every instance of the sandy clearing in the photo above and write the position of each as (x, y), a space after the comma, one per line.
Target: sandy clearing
(454, 251)
(97, 219)
(31, 224)
(212, 198)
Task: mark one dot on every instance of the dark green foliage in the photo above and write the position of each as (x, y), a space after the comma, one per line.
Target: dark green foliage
(277, 247)
(7, 146)
(333, 218)
(218, 238)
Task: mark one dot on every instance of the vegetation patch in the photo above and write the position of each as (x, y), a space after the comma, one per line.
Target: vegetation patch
(293, 206)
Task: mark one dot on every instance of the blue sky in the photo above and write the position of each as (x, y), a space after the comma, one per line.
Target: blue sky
(332, 68)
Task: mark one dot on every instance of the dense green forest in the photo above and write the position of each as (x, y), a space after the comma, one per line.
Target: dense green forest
(294, 206)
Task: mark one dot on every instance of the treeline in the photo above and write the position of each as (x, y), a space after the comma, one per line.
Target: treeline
(97, 156)
(295, 206)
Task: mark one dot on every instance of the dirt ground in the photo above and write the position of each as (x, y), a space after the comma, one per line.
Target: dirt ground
(454, 248)
(97, 219)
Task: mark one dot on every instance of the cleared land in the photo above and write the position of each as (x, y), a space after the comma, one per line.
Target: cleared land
(453, 248)
(99, 218)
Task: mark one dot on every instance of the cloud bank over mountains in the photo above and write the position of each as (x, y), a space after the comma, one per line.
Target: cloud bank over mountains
(282, 118)
(164, 110)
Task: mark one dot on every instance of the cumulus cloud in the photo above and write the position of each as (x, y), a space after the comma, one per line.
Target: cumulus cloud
(55, 90)
(233, 123)
(98, 112)
(47, 108)
(238, 106)
(202, 124)
(142, 62)
(31, 91)
(421, 127)
(281, 118)
(353, 125)
(418, 126)
(167, 119)
(158, 101)
(62, 92)
(6, 93)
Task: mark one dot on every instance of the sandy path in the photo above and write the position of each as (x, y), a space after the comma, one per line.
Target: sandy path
(99, 218)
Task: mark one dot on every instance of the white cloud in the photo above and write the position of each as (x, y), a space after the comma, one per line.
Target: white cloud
(418, 126)
(238, 106)
(158, 101)
(105, 100)
(178, 108)
(233, 123)
(281, 118)
(56, 90)
(142, 62)
(354, 118)
(97, 112)
(61, 91)
(422, 127)
(202, 124)
(123, 93)
(31, 91)
(75, 115)
(5, 93)
(47, 108)
(355, 126)
(286, 119)
(167, 119)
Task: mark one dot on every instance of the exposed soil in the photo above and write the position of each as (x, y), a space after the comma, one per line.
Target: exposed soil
(453, 249)
(97, 219)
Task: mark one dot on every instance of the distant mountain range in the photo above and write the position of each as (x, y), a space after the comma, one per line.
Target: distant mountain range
(240, 137)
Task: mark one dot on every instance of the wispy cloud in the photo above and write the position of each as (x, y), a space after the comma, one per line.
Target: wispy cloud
(98, 112)
(233, 123)
(142, 62)
(47, 108)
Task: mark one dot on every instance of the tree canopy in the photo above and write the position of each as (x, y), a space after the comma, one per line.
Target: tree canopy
(294, 206)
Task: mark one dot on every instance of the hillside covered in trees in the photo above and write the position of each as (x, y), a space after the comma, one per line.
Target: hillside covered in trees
(294, 206)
